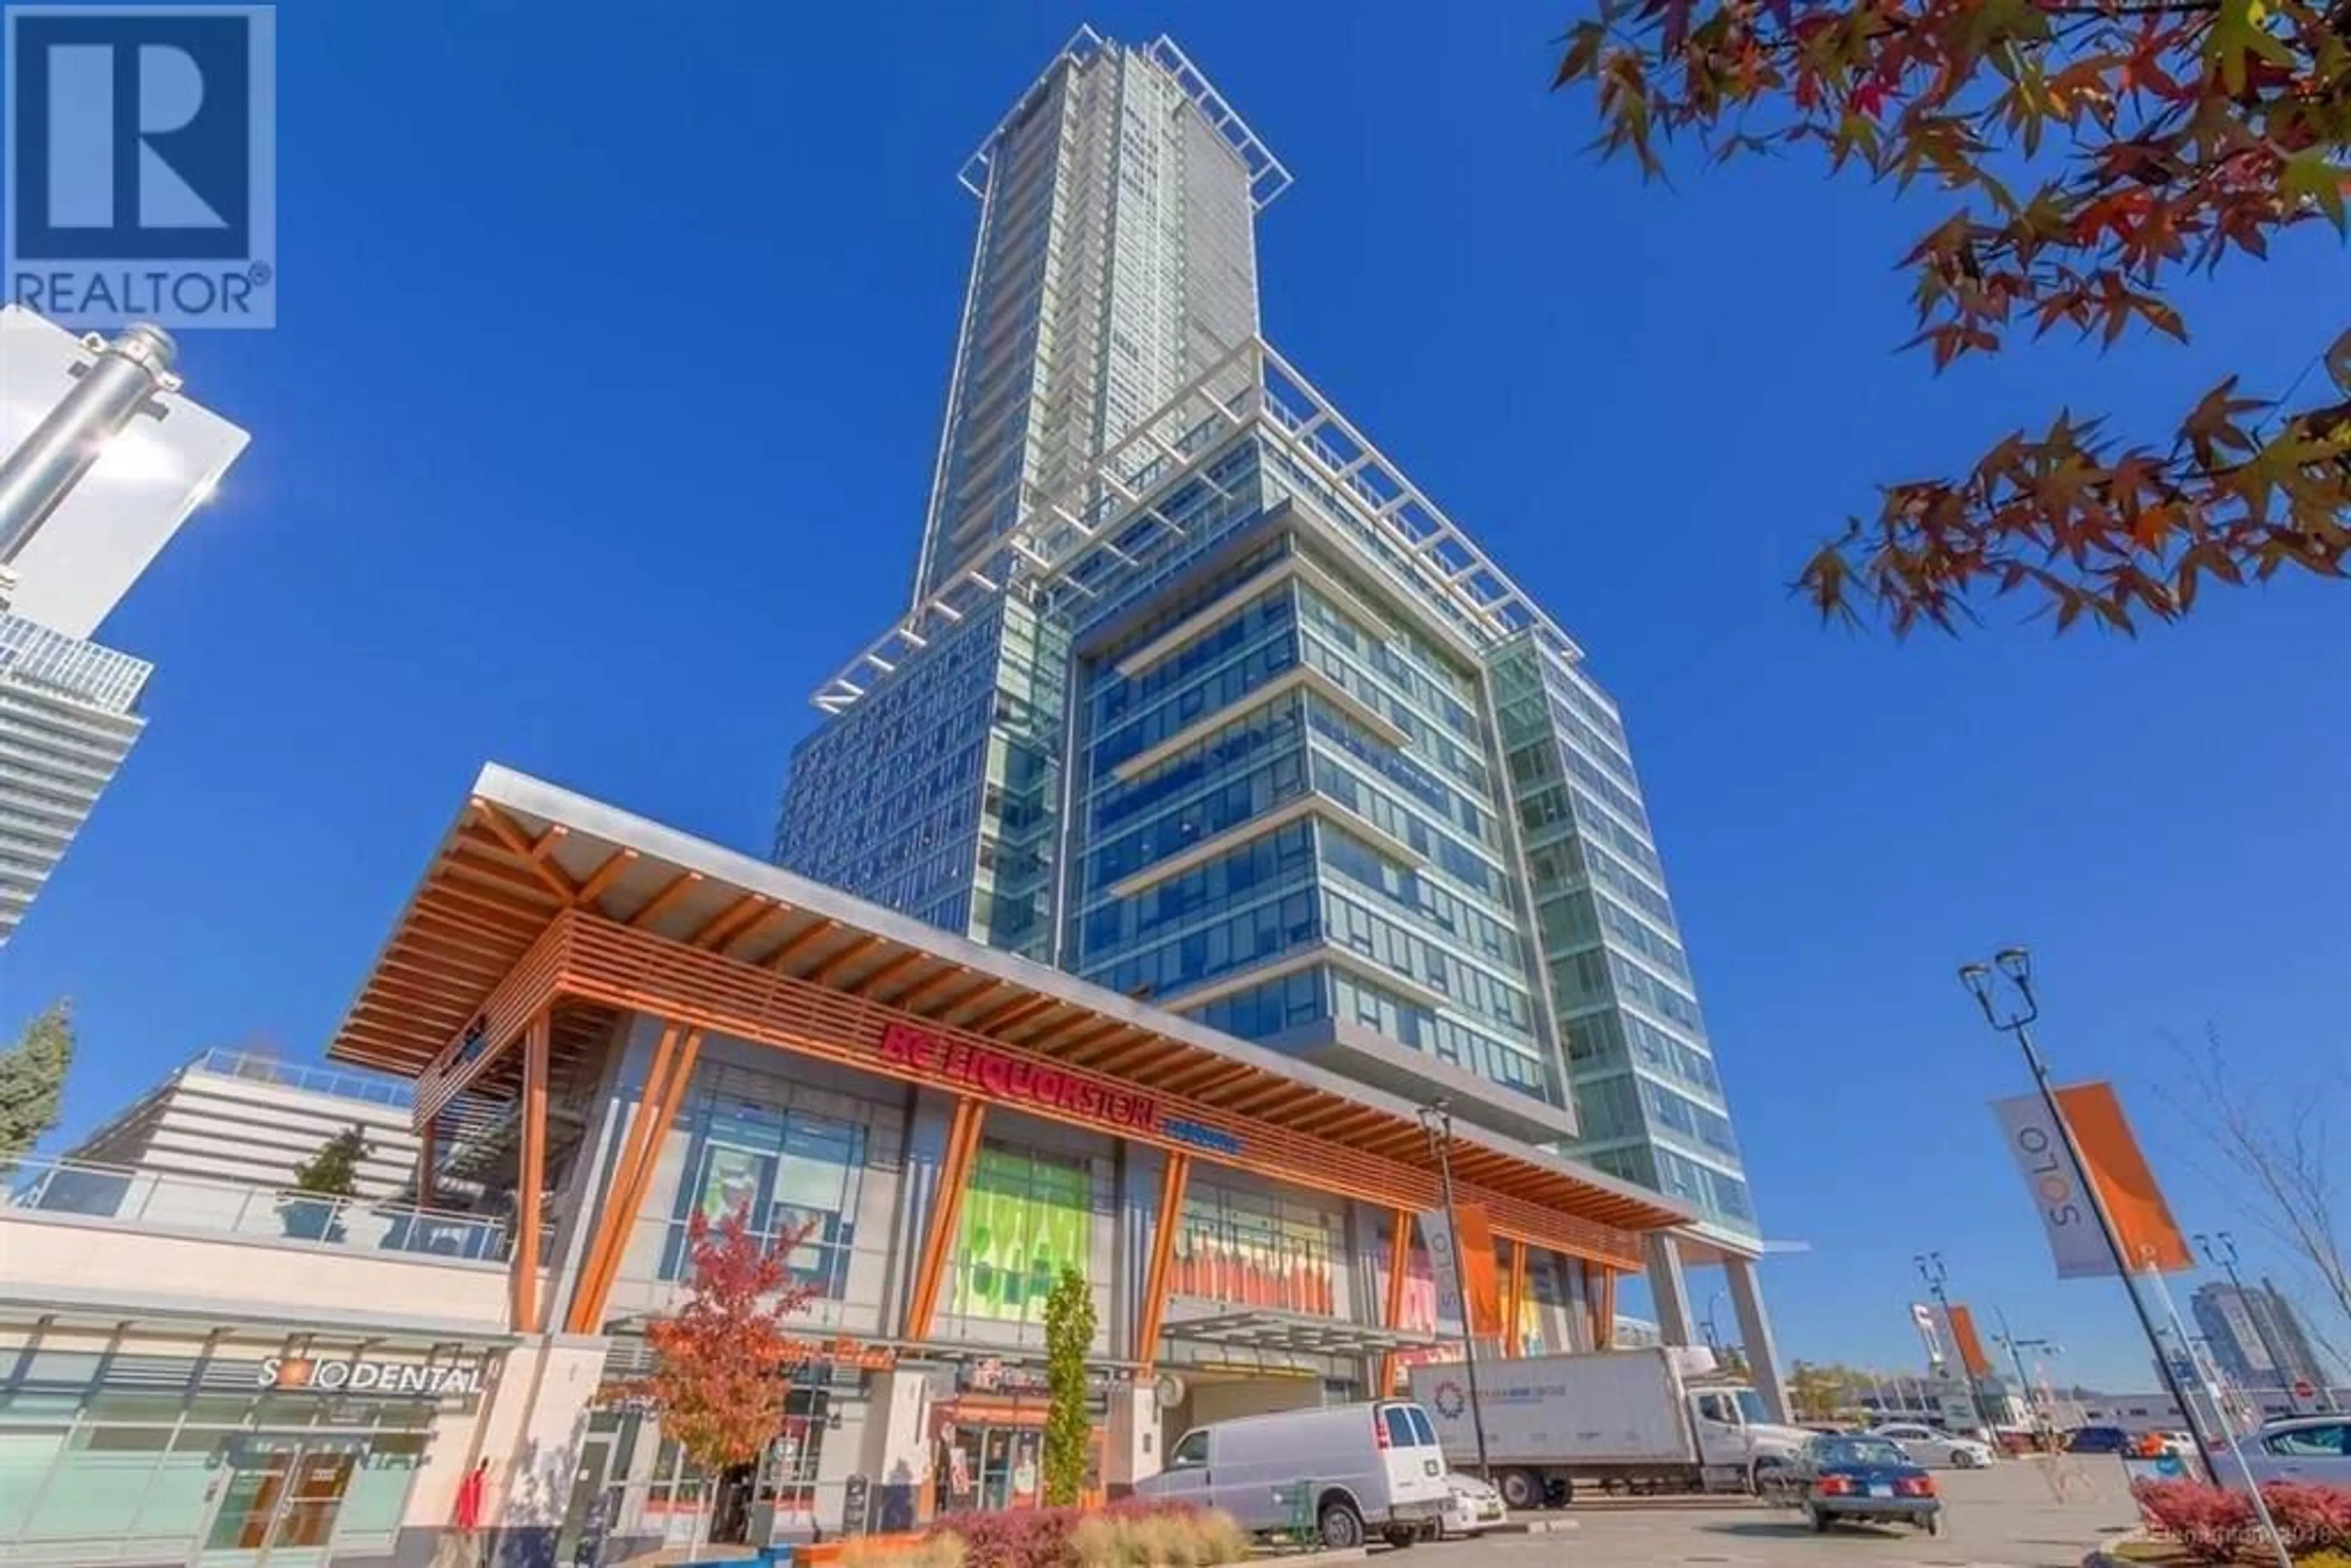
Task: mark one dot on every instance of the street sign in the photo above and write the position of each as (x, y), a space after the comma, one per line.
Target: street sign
(2304, 1392)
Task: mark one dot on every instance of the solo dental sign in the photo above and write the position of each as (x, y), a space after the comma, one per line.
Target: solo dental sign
(394, 1379)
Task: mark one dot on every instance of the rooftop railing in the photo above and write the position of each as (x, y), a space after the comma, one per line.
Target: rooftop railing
(397, 1093)
(122, 1196)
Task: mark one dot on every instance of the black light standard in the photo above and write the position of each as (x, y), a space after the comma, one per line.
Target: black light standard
(2219, 1250)
(1938, 1277)
(1436, 1121)
(2016, 967)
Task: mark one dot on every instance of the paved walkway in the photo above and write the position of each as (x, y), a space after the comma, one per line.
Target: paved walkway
(2005, 1517)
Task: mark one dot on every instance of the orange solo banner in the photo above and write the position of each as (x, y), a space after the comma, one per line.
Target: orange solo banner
(1484, 1278)
(2151, 1239)
(1972, 1350)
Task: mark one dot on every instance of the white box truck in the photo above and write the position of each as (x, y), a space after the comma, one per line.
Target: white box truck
(1625, 1420)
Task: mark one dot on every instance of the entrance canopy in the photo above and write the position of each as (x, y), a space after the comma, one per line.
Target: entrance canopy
(1297, 1333)
(543, 909)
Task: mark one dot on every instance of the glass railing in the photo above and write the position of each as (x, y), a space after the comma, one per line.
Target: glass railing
(285, 1074)
(154, 1198)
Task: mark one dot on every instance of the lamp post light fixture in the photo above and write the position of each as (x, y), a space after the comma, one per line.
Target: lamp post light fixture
(1938, 1277)
(1436, 1122)
(47, 463)
(2014, 965)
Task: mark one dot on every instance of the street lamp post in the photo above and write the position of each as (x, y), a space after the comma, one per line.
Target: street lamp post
(2219, 1250)
(2016, 967)
(47, 463)
(2016, 1348)
(1938, 1277)
(1713, 1335)
(1436, 1122)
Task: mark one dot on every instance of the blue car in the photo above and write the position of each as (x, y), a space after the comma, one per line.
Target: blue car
(1869, 1480)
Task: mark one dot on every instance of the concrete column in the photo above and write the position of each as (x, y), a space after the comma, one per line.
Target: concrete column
(896, 1451)
(580, 1200)
(1668, 1289)
(1755, 1335)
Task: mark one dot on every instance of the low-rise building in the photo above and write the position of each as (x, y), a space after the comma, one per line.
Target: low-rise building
(662, 1028)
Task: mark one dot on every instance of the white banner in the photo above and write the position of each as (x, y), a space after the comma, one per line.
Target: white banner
(1438, 1234)
(1931, 1334)
(2058, 1191)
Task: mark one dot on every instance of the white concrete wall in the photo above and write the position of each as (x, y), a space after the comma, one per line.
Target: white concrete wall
(246, 1130)
(73, 1260)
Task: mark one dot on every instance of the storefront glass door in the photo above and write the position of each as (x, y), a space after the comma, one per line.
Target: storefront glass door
(279, 1501)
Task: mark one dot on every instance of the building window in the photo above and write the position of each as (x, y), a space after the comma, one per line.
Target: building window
(1026, 1215)
(789, 1174)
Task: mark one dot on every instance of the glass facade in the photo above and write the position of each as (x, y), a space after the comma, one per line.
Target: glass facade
(1234, 719)
(1116, 262)
(1650, 1103)
(939, 797)
(109, 1454)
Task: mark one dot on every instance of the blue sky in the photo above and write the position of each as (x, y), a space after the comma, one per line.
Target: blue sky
(596, 429)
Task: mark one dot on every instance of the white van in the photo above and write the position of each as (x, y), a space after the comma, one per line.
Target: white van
(1370, 1468)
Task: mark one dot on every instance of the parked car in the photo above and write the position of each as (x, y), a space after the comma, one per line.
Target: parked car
(2097, 1440)
(2312, 1450)
(1475, 1507)
(1868, 1479)
(1375, 1468)
(1934, 1447)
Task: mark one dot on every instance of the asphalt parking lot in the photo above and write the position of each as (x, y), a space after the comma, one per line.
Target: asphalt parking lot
(2006, 1515)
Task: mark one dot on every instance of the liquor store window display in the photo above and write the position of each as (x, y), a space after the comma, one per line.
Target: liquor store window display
(1027, 1214)
(790, 1171)
(107, 1455)
(1250, 1249)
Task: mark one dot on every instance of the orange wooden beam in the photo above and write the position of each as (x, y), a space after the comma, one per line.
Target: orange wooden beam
(1514, 1300)
(958, 1000)
(661, 903)
(605, 874)
(947, 1213)
(469, 860)
(1391, 1310)
(832, 968)
(1012, 1012)
(1083, 1029)
(672, 1061)
(530, 1179)
(793, 947)
(1172, 1181)
(520, 925)
(502, 828)
(1603, 1305)
(890, 970)
(948, 978)
(720, 928)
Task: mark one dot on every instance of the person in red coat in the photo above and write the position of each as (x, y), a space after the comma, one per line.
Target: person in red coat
(473, 1510)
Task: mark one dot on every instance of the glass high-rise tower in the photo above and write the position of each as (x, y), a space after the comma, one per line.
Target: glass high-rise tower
(1200, 697)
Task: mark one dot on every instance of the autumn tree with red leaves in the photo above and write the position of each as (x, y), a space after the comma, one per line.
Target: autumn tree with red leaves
(719, 1376)
(2095, 148)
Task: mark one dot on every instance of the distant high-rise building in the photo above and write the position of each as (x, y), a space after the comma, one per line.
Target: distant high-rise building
(2256, 1336)
(1201, 698)
(68, 719)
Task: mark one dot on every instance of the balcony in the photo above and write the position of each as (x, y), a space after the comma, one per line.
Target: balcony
(151, 1200)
